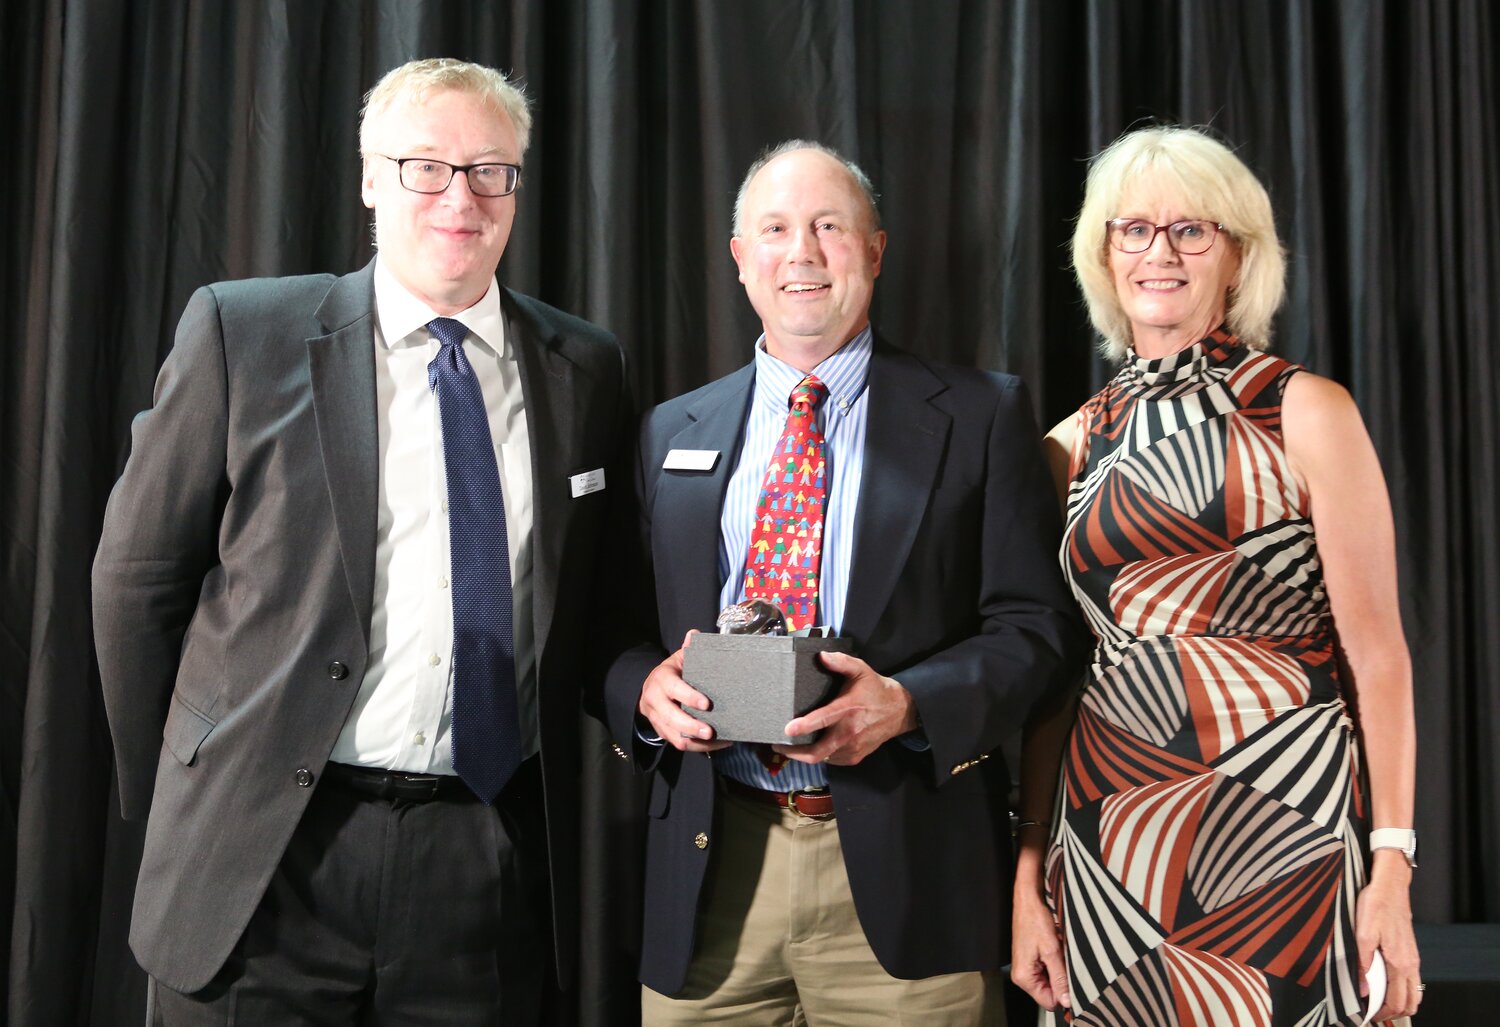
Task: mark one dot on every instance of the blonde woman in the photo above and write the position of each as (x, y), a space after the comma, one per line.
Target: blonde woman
(1247, 720)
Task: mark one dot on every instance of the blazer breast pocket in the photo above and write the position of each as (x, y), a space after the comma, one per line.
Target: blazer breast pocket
(185, 731)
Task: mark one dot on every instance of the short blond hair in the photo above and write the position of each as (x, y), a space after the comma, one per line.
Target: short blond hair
(1207, 179)
(414, 80)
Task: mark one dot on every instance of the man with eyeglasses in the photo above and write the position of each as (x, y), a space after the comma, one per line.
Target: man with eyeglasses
(340, 603)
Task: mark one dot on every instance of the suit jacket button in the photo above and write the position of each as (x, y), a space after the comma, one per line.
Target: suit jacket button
(337, 671)
(304, 777)
(701, 840)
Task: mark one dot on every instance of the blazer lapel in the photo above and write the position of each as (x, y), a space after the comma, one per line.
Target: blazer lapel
(905, 436)
(549, 390)
(341, 368)
(687, 506)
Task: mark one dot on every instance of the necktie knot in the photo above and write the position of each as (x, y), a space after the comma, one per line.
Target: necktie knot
(447, 331)
(809, 392)
(450, 336)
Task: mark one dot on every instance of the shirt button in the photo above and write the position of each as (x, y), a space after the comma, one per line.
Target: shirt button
(445, 506)
(442, 582)
(304, 777)
(434, 660)
(843, 403)
(337, 671)
(701, 840)
(418, 739)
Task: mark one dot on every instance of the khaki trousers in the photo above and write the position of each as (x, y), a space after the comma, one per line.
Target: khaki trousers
(779, 942)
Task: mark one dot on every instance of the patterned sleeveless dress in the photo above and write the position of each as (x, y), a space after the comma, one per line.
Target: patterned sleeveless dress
(1210, 839)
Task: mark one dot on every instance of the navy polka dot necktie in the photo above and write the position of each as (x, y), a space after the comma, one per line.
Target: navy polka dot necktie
(486, 728)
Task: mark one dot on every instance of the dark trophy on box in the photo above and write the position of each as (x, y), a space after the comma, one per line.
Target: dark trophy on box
(757, 676)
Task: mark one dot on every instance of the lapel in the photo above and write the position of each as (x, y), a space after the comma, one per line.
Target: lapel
(905, 437)
(341, 368)
(686, 507)
(549, 390)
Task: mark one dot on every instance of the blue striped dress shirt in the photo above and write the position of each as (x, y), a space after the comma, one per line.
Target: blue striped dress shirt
(842, 418)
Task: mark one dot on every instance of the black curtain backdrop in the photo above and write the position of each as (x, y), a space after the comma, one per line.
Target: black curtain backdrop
(157, 146)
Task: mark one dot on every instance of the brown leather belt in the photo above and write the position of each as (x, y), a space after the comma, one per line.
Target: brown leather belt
(814, 805)
(374, 783)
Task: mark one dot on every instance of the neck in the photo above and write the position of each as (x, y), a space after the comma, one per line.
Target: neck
(1152, 343)
(807, 353)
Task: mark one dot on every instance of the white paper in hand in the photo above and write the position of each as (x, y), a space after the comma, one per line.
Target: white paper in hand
(1376, 980)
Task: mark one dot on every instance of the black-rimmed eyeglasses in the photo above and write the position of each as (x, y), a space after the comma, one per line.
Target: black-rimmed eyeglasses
(425, 175)
(1133, 235)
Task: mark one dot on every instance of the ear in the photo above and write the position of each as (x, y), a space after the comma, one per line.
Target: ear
(737, 249)
(367, 183)
(877, 252)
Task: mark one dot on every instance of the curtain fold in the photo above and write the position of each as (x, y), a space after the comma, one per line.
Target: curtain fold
(157, 147)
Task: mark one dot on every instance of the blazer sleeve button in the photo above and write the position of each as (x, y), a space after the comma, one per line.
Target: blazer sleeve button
(304, 777)
(701, 840)
(337, 671)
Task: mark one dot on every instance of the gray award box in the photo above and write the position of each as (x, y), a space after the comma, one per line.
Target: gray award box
(757, 683)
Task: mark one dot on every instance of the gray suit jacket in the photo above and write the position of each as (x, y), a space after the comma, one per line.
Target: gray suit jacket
(233, 587)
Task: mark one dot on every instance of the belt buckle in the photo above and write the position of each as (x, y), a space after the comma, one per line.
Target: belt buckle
(415, 787)
(791, 803)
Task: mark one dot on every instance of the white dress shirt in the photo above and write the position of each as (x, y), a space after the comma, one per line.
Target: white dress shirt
(401, 719)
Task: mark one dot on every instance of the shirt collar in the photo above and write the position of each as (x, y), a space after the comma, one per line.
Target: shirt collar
(846, 372)
(403, 318)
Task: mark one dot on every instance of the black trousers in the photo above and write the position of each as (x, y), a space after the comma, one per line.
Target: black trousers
(392, 912)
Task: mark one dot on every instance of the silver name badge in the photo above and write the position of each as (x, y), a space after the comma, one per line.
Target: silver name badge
(588, 481)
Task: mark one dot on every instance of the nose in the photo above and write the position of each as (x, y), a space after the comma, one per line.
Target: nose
(1161, 249)
(456, 194)
(804, 248)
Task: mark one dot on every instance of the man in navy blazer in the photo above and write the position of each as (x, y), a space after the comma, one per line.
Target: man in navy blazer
(867, 878)
(275, 619)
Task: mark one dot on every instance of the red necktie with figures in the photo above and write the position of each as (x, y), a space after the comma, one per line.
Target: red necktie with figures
(786, 544)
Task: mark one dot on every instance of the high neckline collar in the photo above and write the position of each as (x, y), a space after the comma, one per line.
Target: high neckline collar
(1186, 364)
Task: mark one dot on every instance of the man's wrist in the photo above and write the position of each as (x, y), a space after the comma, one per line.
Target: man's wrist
(646, 733)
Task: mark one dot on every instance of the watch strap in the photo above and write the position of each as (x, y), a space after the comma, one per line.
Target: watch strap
(1401, 838)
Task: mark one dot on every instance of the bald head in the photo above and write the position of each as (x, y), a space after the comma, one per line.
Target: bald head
(860, 180)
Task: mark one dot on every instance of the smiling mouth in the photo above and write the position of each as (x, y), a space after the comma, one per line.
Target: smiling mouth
(1161, 285)
(802, 288)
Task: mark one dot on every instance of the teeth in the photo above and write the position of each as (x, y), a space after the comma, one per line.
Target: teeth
(800, 287)
(1160, 285)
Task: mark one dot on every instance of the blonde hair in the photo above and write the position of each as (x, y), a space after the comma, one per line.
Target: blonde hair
(1208, 180)
(414, 80)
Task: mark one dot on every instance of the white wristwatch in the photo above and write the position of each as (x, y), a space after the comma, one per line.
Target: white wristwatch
(1402, 838)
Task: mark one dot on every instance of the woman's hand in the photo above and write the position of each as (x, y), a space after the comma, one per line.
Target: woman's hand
(1036, 961)
(1382, 920)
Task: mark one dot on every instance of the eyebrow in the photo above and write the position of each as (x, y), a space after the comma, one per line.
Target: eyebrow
(776, 215)
(486, 151)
